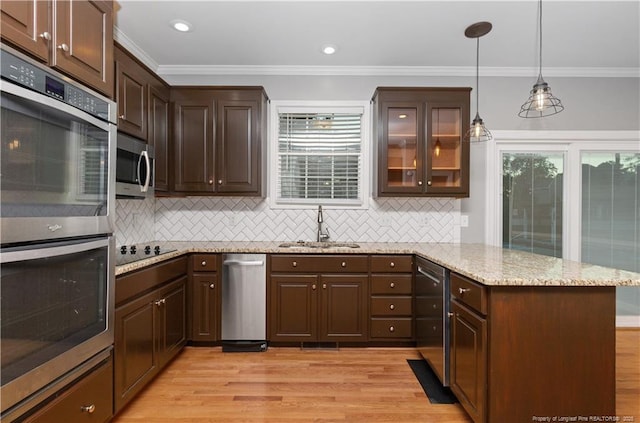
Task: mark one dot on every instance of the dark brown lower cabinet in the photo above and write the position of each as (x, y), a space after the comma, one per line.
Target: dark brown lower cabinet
(88, 400)
(150, 329)
(520, 352)
(317, 307)
(204, 298)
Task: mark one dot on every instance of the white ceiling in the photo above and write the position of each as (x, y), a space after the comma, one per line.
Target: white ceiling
(581, 38)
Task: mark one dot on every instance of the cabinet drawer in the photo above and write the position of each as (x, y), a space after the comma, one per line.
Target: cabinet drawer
(94, 392)
(391, 306)
(204, 262)
(391, 264)
(391, 284)
(469, 292)
(391, 328)
(135, 283)
(319, 263)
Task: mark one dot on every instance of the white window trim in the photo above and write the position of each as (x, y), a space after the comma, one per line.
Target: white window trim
(282, 106)
(572, 143)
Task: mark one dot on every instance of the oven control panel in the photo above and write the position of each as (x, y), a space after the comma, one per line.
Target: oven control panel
(38, 78)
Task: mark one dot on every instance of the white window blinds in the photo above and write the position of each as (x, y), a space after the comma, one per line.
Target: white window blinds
(319, 157)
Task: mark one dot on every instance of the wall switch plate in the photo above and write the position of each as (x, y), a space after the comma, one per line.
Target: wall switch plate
(464, 221)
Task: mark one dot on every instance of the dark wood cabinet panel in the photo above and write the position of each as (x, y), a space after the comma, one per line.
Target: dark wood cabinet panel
(83, 41)
(294, 308)
(343, 307)
(421, 149)
(74, 36)
(131, 93)
(158, 134)
(171, 320)
(205, 307)
(25, 24)
(88, 400)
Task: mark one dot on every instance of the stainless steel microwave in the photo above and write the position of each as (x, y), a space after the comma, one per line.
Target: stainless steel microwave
(134, 168)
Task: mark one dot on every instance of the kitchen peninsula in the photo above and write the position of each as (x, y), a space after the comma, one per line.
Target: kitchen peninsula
(531, 335)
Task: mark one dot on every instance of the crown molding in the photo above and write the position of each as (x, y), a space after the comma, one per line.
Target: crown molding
(134, 49)
(440, 71)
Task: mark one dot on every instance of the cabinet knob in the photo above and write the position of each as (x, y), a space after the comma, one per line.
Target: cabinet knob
(461, 291)
(324, 286)
(210, 181)
(45, 35)
(313, 286)
(343, 264)
(435, 306)
(429, 183)
(392, 329)
(121, 117)
(392, 285)
(419, 182)
(64, 47)
(204, 263)
(294, 264)
(88, 408)
(392, 264)
(449, 314)
(212, 286)
(392, 307)
(219, 181)
(434, 328)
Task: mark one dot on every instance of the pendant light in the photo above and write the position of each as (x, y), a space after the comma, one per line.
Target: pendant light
(478, 132)
(541, 101)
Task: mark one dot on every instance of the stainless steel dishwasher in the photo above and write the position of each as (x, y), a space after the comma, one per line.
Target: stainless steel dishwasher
(244, 302)
(432, 316)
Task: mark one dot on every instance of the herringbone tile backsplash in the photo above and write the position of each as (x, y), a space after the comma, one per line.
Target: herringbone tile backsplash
(246, 219)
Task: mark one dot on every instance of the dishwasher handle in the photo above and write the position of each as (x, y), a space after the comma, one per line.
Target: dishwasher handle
(426, 273)
(243, 262)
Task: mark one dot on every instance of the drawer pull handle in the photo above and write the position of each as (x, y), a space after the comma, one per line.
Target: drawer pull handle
(294, 264)
(392, 329)
(212, 286)
(344, 264)
(461, 291)
(392, 264)
(313, 286)
(88, 408)
(392, 285)
(204, 263)
(392, 307)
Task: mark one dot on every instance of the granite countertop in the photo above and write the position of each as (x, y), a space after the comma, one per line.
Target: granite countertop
(489, 265)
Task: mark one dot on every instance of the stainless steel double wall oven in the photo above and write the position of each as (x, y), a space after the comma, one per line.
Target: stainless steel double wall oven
(57, 249)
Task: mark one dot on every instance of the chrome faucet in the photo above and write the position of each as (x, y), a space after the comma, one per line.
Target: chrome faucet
(323, 233)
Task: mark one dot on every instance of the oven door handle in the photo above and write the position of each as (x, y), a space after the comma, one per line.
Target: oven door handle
(144, 187)
(59, 249)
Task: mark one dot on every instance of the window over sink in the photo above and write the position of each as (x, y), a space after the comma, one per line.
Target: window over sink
(320, 154)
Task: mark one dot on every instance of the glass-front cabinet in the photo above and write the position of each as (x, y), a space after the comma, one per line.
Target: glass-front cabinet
(421, 147)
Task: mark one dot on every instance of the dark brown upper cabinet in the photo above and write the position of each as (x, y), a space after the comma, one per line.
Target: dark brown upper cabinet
(421, 150)
(218, 140)
(73, 36)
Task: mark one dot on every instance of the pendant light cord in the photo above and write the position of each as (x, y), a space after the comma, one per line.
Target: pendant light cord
(477, 72)
(540, 47)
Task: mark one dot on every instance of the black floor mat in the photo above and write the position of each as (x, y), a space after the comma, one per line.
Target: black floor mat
(430, 383)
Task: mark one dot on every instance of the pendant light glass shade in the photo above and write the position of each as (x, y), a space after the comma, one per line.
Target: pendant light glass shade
(478, 132)
(541, 101)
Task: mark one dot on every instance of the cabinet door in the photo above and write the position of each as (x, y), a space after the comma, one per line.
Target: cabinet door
(158, 133)
(83, 42)
(205, 307)
(343, 308)
(25, 23)
(294, 308)
(447, 156)
(135, 358)
(401, 148)
(131, 95)
(469, 360)
(171, 320)
(194, 141)
(238, 147)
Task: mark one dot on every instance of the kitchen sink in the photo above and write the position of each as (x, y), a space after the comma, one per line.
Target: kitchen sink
(316, 244)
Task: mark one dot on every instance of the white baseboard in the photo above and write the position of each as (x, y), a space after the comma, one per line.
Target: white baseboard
(628, 321)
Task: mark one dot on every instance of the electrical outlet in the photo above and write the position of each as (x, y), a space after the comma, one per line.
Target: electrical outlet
(232, 220)
(424, 221)
(385, 221)
(464, 221)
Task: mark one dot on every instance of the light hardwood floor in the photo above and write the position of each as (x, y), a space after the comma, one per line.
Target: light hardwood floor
(285, 385)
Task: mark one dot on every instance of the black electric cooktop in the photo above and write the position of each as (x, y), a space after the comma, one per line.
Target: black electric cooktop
(129, 254)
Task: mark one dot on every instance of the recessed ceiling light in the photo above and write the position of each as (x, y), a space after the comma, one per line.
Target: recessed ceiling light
(329, 49)
(180, 25)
